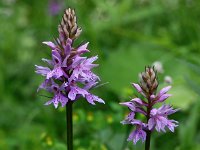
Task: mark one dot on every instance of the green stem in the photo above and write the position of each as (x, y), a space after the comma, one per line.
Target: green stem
(148, 140)
(69, 125)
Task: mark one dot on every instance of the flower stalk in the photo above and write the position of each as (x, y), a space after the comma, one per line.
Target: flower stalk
(69, 110)
(148, 132)
(148, 140)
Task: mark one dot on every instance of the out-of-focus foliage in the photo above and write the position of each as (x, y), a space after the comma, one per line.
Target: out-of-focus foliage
(127, 35)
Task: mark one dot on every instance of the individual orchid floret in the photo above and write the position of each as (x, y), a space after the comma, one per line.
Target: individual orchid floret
(92, 98)
(82, 69)
(156, 118)
(129, 118)
(138, 133)
(159, 120)
(68, 75)
(59, 97)
(42, 70)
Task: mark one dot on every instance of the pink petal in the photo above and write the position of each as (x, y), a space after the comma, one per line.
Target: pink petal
(164, 90)
(138, 88)
(50, 44)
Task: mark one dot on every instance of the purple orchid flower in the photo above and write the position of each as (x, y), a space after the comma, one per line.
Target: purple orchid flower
(138, 133)
(159, 118)
(68, 75)
(156, 118)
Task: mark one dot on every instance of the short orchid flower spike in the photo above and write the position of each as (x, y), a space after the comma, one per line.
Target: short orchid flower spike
(156, 118)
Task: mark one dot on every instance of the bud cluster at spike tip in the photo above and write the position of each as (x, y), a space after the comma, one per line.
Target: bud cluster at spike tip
(157, 118)
(68, 27)
(68, 74)
(148, 81)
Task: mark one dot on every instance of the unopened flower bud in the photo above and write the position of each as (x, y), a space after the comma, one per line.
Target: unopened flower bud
(68, 27)
(149, 81)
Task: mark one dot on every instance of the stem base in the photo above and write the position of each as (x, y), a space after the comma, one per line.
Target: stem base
(69, 125)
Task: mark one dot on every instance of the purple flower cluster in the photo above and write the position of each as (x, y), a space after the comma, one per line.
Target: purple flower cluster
(68, 75)
(157, 118)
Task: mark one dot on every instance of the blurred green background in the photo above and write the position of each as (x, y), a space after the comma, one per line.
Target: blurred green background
(127, 35)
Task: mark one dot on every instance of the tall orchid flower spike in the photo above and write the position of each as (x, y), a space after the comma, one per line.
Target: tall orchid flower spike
(156, 118)
(68, 68)
(68, 75)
